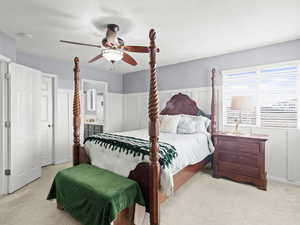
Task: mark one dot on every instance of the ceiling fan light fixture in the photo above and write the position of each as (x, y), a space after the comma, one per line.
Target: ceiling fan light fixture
(112, 54)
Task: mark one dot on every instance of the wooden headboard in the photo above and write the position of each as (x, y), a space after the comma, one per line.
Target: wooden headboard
(182, 104)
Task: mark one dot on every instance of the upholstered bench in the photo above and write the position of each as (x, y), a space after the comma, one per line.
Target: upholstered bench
(96, 196)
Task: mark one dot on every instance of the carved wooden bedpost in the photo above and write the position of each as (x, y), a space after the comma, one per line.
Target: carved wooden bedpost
(153, 110)
(76, 113)
(213, 103)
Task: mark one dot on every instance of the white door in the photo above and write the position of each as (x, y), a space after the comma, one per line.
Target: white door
(3, 129)
(47, 121)
(24, 151)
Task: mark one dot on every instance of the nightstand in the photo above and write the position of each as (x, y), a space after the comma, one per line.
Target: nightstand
(240, 158)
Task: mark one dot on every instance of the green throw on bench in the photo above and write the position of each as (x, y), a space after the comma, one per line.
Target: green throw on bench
(92, 195)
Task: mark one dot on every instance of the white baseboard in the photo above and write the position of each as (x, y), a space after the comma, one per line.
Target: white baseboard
(282, 180)
(61, 162)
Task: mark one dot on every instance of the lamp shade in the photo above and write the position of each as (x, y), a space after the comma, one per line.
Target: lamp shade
(112, 54)
(243, 103)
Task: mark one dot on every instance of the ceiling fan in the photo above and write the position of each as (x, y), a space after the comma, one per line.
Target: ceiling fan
(113, 48)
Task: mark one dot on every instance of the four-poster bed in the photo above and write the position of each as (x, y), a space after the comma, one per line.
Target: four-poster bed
(147, 174)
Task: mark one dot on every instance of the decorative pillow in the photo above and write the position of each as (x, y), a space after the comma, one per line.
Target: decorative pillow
(206, 122)
(169, 123)
(189, 124)
(202, 124)
(186, 125)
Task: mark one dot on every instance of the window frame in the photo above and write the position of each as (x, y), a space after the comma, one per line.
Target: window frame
(258, 69)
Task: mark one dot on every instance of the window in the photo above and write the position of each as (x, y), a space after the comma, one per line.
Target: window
(276, 94)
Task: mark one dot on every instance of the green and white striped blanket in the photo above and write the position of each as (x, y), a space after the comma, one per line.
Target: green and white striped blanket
(134, 146)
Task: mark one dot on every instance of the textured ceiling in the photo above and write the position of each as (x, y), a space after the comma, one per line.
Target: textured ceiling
(186, 29)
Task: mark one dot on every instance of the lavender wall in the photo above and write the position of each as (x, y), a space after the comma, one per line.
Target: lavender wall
(61, 68)
(190, 74)
(7, 46)
(65, 72)
(195, 73)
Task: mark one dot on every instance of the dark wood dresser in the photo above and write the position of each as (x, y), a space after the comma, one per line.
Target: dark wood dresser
(240, 158)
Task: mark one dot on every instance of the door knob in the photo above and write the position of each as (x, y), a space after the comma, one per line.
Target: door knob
(49, 125)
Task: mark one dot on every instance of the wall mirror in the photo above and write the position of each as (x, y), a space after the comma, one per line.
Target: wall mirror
(90, 100)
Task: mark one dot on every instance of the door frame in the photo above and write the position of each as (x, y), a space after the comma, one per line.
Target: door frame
(54, 113)
(4, 139)
(105, 103)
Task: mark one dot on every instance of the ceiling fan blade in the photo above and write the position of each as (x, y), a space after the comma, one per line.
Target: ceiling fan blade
(141, 49)
(96, 58)
(78, 43)
(128, 59)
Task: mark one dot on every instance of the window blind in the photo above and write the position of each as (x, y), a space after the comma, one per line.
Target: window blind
(278, 104)
(275, 90)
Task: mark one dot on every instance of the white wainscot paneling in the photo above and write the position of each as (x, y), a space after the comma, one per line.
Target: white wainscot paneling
(114, 122)
(131, 112)
(136, 105)
(293, 155)
(63, 148)
(143, 111)
(276, 152)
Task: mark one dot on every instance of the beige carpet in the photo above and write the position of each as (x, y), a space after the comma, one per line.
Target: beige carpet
(202, 201)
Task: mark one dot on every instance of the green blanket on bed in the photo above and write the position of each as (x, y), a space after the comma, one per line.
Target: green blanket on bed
(134, 146)
(92, 195)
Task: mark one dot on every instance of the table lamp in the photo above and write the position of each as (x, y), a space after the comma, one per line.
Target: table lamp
(243, 104)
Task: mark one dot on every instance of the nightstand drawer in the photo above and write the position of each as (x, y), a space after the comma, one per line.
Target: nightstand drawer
(236, 145)
(239, 158)
(232, 168)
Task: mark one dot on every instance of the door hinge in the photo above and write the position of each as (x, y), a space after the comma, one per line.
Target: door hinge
(7, 124)
(7, 172)
(7, 76)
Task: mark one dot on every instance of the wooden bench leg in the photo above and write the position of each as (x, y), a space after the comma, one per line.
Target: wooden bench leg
(59, 206)
(125, 217)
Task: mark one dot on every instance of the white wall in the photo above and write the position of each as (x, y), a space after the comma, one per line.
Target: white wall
(64, 127)
(282, 149)
(115, 105)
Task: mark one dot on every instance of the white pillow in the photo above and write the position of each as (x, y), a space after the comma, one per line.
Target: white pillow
(186, 125)
(202, 124)
(168, 123)
(189, 124)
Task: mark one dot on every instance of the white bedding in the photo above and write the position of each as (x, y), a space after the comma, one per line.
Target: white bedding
(191, 148)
